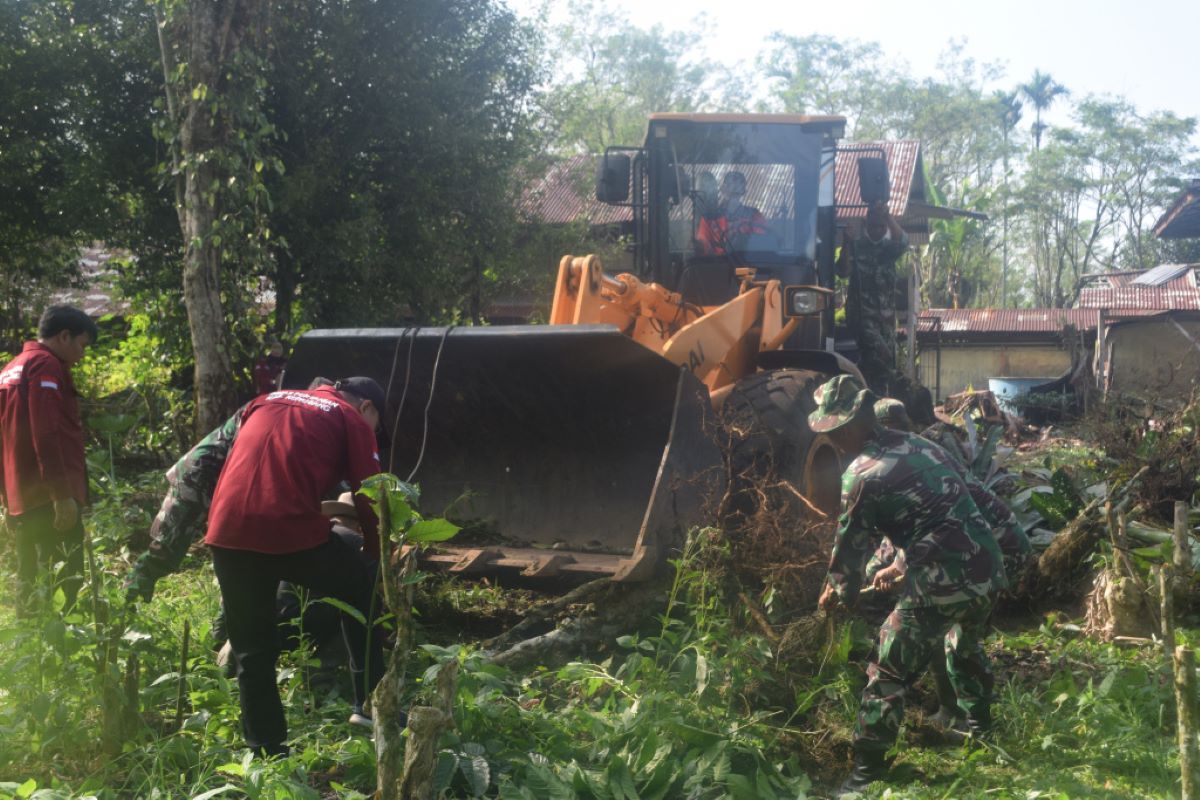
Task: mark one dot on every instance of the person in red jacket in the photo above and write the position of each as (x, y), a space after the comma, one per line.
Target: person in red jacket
(729, 225)
(44, 483)
(265, 526)
(268, 368)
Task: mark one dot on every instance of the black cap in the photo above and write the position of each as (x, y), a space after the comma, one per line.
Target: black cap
(367, 389)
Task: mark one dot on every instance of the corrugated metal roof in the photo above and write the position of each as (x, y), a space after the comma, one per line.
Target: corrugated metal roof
(1182, 219)
(1160, 275)
(1127, 290)
(903, 157)
(1005, 320)
(567, 193)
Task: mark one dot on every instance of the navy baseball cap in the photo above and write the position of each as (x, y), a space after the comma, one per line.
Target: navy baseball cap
(367, 389)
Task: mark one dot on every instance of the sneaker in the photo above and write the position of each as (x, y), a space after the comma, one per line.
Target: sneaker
(360, 718)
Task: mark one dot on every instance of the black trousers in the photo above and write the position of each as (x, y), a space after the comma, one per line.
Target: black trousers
(39, 546)
(248, 585)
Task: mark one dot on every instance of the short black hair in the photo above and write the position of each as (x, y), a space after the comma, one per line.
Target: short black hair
(56, 319)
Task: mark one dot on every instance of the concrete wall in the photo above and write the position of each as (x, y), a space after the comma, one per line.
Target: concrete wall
(1154, 358)
(970, 366)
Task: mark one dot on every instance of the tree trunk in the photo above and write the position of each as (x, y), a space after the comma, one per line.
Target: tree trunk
(215, 30)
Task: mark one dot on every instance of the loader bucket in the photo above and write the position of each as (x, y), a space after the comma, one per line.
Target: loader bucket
(562, 449)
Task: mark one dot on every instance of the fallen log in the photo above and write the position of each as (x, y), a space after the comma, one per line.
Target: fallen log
(1060, 564)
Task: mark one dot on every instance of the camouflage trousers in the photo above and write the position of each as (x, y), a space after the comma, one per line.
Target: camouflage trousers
(908, 640)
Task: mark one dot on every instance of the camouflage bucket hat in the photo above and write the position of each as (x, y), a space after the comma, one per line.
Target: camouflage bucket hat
(891, 412)
(839, 400)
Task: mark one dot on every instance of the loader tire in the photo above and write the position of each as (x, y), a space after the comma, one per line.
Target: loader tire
(766, 416)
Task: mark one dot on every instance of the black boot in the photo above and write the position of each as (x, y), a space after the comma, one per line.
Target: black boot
(977, 726)
(869, 766)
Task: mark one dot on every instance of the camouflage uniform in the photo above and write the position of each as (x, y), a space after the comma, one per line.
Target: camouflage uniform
(871, 308)
(1006, 528)
(1015, 550)
(183, 516)
(908, 490)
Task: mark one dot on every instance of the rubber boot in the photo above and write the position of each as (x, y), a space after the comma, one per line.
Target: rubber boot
(945, 718)
(977, 726)
(869, 766)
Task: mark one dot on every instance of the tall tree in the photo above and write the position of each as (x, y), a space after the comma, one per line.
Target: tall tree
(401, 126)
(1009, 106)
(212, 67)
(608, 75)
(1041, 91)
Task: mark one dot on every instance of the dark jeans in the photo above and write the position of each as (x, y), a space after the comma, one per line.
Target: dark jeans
(39, 547)
(249, 582)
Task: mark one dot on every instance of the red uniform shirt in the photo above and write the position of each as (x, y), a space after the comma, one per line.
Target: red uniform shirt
(40, 432)
(293, 447)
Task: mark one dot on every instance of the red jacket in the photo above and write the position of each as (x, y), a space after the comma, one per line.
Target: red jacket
(293, 447)
(40, 432)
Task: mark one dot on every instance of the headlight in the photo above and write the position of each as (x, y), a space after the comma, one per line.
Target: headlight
(805, 303)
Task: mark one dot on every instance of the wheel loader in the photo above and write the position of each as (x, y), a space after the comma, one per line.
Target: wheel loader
(589, 445)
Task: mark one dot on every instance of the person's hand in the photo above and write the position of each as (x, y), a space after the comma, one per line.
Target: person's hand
(888, 578)
(138, 586)
(829, 600)
(66, 514)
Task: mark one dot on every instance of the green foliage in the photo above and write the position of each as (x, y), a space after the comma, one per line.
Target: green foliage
(404, 524)
(1060, 502)
(665, 716)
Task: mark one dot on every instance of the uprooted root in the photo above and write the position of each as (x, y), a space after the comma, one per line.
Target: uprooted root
(779, 544)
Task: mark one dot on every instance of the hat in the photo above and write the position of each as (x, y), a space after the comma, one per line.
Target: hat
(890, 411)
(342, 507)
(367, 389)
(838, 401)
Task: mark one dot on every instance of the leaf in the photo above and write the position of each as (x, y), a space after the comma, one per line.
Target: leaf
(701, 674)
(476, 770)
(344, 607)
(229, 787)
(431, 530)
(27, 788)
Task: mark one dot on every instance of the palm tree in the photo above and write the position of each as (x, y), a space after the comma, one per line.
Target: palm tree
(1010, 105)
(1041, 90)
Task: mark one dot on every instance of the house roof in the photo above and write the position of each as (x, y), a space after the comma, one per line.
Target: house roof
(565, 192)
(1182, 219)
(994, 323)
(1168, 287)
(96, 291)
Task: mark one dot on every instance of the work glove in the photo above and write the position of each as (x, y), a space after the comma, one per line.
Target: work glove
(138, 586)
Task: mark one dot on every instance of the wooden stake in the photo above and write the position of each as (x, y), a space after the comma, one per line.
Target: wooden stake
(1183, 541)
(181, 692)
(1167, 609)
(1185, 705)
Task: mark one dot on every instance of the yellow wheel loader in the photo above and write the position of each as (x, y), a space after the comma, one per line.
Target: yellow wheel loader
(589, 445)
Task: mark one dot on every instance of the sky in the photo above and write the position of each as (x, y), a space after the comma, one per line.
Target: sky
(1144, 50)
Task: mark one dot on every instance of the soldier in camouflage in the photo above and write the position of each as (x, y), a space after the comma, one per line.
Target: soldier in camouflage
(183, 516)
(902, 487)
(1006, 528)
(869, 261)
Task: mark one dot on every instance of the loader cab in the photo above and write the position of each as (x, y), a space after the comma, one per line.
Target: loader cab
(711, 193)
